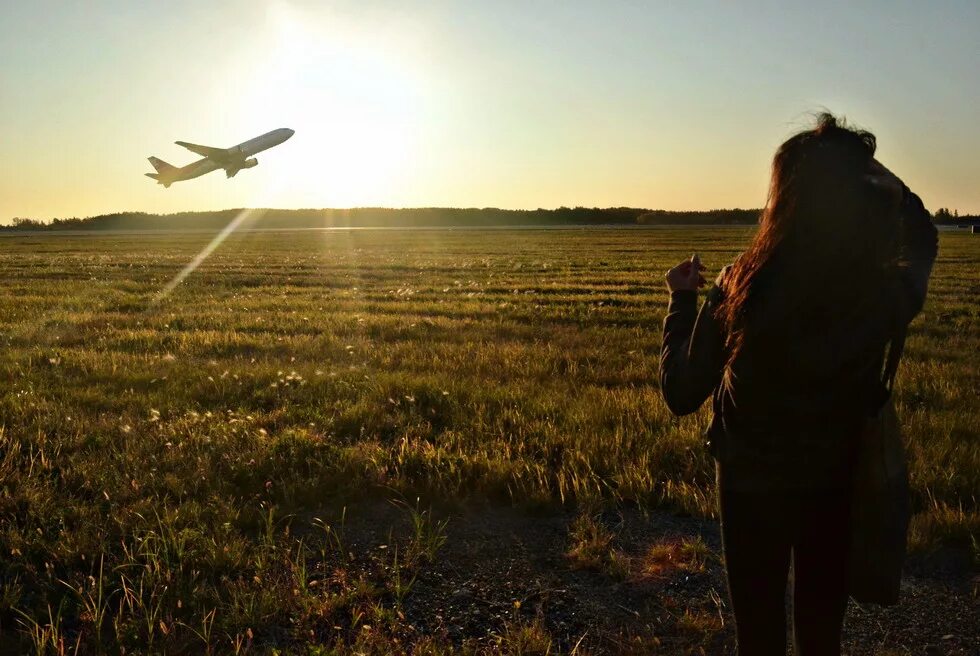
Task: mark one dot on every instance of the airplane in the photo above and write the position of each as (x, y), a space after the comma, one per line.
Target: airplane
(232, 160)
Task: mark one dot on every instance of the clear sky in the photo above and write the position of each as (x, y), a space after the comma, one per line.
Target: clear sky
(675, 105)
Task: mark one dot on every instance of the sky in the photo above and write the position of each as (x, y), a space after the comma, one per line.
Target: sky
(659, 104)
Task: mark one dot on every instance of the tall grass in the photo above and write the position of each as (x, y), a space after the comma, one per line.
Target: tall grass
(173, 474)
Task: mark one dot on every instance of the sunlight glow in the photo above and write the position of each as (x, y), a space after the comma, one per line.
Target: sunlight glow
(518, 105)
(352, 103)
(199, 259)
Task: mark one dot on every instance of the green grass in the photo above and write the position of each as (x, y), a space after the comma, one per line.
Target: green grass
(173, 472)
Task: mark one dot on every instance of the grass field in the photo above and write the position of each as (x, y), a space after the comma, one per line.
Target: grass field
(178, 473)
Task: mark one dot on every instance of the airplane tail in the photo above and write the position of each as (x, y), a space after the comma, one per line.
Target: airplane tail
(160, 165)
(165, 172)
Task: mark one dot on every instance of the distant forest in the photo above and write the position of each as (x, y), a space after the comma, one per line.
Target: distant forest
(378, 217)
(375, 217)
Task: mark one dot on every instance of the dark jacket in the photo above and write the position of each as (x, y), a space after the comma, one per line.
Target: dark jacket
(788, 420)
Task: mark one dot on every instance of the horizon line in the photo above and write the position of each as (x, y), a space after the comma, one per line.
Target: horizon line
(386, 208)
(952, 211)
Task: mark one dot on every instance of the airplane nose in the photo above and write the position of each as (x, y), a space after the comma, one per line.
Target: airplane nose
(289, 132)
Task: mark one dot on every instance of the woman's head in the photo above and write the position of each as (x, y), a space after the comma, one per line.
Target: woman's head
(825, 233)
(818, 188)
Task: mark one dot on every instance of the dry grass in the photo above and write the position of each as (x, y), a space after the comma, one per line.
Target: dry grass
(676, 555)
(591, 547)
(167, 467)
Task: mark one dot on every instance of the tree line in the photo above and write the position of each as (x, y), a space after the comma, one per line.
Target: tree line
(371, 217)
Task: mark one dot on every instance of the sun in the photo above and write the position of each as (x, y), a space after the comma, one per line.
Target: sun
(354, 104)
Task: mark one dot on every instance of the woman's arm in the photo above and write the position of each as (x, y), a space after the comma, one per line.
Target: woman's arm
(917, 252)
(918, 240)
(692, 352)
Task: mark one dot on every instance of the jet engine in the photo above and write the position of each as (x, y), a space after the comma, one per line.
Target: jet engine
(232, 171)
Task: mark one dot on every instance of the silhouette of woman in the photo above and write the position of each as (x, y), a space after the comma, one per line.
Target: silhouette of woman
(790, 344)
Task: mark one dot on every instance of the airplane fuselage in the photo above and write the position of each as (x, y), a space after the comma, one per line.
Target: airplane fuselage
(263, 142)
(196, 169)
(232, 160)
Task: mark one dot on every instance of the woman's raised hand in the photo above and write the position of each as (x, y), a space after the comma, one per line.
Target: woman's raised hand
(885, 181)
(686, 275)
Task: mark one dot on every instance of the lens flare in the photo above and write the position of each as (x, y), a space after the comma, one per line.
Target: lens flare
(199, 259)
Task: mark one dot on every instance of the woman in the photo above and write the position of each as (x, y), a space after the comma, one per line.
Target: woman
(790, 344)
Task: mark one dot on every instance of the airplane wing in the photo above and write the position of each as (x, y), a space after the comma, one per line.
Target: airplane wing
(205, 151)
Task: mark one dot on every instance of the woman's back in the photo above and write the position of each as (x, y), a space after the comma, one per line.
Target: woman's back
(787, 413)
(790, 342)
(790, 345)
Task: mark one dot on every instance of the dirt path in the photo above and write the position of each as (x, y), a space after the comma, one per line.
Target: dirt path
(504, 567)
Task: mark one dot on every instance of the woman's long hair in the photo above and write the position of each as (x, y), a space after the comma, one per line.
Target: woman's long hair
(825, 239)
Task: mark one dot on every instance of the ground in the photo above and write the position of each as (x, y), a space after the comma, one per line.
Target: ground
(506, 566)
(407, 442)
